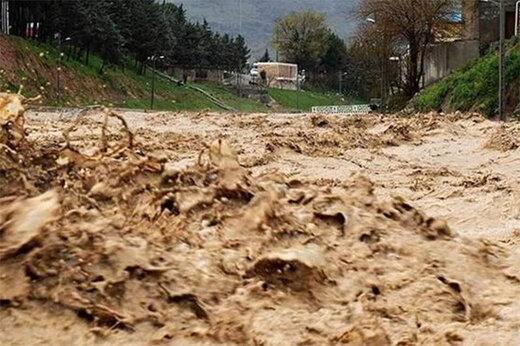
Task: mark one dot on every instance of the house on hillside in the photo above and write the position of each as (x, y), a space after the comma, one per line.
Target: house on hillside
(479, 24)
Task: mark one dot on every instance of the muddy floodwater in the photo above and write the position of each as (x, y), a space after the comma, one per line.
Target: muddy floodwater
(205, 228)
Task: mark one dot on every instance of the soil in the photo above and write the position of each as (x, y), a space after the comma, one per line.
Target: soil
(191, 229)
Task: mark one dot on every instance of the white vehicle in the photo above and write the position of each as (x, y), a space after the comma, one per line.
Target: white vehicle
(254, 71)
(278, 74)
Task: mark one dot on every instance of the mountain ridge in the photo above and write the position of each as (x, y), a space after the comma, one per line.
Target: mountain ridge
(258, 17)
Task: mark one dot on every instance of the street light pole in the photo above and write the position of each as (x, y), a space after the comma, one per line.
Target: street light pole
(501, 58)
(59, 69)
(501, 74)
(298, 92)
(154, 59)
(153, 84)
(340, 79)
(383, 68)
(60, 64)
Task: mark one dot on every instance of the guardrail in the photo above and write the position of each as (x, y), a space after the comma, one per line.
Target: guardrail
(350, 109)
(204, 92)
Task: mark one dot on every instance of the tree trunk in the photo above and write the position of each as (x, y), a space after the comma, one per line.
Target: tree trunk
(412, 76)
(87, 56)
(424, 49)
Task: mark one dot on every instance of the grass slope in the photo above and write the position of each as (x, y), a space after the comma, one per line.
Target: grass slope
(227, 96)
(304, 100)
(35, 66)
(474, 87)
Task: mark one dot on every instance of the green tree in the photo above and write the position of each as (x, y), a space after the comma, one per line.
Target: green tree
(301, 38)
(265, 57)
(240, 52)
(140, 29)
(414, 23)
(336, 57)
(227, 53)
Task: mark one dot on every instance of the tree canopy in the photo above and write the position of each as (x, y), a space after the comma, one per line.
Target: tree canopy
(411, 23)
(301, 38)
(138, 29)
(266, 57)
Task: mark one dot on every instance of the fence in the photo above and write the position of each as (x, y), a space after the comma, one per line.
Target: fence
(350, 109)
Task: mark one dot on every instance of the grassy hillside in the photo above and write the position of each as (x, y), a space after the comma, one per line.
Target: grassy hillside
(35, 66)
(475, 87)
(304, 100)
(231, 99)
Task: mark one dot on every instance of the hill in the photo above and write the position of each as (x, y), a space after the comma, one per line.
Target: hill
(475, 87)
(35, 67)
(258, 17)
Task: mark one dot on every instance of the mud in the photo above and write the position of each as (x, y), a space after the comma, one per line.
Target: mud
(504, 138)
(252, 229)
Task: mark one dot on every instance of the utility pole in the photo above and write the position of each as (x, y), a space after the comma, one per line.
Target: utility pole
(501, 57)
(340, 79)
(383, 66)
(154, 58)
(59, 69)
(239, 67)
(383, 82)
(153, 84)
(298, 92)
(60, 63)
(501, 75)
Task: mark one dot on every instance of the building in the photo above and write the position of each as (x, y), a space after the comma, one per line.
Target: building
(482, 21)
(278, 75)
(480, 27)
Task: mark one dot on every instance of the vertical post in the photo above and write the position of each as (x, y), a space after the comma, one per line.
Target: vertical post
(59, 68)
(383, 73)
(239, 72)
(297, 92)
(517, 17)
(340, 87)
(501, 63)
(240, 81)
(381, 85)
(153, 84)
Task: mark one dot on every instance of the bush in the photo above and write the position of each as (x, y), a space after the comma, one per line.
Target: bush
(472, 88)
